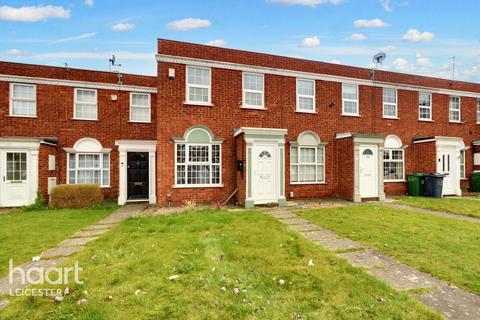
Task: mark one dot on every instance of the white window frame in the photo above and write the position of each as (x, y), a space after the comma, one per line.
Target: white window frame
(350, 100)
(450, 110)
(390, 151)
(298, 109)
(244, 103)
(149, 107)
(188, 86)
(188, 162)
(102, 169)
(478, 110)
(462, 161)
(12, 98)
(390, 104)
(316, 164)
(425, 107)
(75, 101)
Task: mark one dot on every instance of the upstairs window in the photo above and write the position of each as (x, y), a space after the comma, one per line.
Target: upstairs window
(307, 159)
(198, 85)
(390, 103)
(23, 100)
(305, 95)
(350, 100)
(455, 109)
(85, 104)
(140, 107)
(253, 90)
(425, 106)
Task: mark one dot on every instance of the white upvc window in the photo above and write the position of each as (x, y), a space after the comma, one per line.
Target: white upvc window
(478, 111)
(390, 109)
(253, 91)
(393, 165)
(305, 95)
(463, 174)
(350, 100)
(140, 107)
(85, 104)
(89, 168)
(198, 165)
(23, 100)
(424, 106)
(307, 164)
(455, 108)
(199, 89)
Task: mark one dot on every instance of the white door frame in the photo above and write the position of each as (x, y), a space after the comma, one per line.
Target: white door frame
(125, 146)
(452, 145)
(363, 186)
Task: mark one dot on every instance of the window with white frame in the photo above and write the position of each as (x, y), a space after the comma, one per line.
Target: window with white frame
(305, 95)
(350, 100)
(478, 111)
(307, 159)
(390, 103)
(89, 168)
(198, 160)
(425, 106)
(455, 109)
(198, 85)
(85, 104)
(140, 107)
(23, 100)
(462, 164)
(393, 159)
(253, 90)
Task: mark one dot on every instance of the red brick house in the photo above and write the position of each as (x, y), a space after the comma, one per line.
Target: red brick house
(216, 122)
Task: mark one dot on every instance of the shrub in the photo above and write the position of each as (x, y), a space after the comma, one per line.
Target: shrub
(39, 204)
(75, 196)
(190, 205)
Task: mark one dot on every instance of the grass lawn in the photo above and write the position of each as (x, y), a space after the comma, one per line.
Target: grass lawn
(446, 248)
(26, 234)
(210, 250)
(467, 207)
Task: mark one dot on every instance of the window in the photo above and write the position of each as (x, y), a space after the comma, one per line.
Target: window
(455, 109)
(198, 159)
(389, 103)
(253, 90)
(307, 159)
(16, 166)
(198, 85)
(425, 106)
(478, 111)
(393, 159)
(139, 107)
(89, 168)
(462, 164)
(305, 95)
(85, 104)
(23, 100)
(350, 100)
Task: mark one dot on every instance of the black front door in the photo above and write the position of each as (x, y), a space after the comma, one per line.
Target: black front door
(137, 175)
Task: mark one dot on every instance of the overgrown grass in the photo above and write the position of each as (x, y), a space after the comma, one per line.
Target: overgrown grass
(467, 207)
(210, 250)
(28, 233)
(446, 248)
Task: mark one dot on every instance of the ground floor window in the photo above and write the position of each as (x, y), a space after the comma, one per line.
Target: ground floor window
(462, 164)
(89, 168)
(307, 159)
(393, 165)
(197, 164)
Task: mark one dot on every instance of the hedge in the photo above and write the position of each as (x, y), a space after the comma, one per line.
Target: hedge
(75, 196)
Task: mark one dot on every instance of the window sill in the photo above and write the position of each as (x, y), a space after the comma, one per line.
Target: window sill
(82, 119)
(20, 116)
(394, 181)
(305, 111)
(198, 104)
(351, 115)
(455, 122)
(197, 186)
(144, 122)
(305, 183)
(464, 179)
(391, 118)
(253, 108)
(426, 120)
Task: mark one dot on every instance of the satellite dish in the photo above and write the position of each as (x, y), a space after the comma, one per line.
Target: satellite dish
(379, 57)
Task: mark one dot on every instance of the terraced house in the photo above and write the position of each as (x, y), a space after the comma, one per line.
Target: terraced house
(218, 122)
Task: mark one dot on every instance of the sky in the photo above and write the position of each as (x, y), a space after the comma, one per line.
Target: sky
(438, 38)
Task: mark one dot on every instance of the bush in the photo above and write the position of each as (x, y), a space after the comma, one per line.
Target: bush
(39, 204)
(75, 196)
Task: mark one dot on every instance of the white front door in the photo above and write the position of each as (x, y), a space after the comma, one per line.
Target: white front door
(368, 168)
(448, 164)
(14, 187)
(264, 180)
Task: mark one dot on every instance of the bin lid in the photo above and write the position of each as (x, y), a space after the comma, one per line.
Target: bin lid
(417, 174)
(435, 175)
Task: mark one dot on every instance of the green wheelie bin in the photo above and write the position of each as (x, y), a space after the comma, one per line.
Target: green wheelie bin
(416, 183)
(476, 182)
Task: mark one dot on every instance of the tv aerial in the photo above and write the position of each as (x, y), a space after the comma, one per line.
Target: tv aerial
(112, 62)
(378, 60)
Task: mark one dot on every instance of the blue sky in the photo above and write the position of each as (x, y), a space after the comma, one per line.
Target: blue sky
(418, 36)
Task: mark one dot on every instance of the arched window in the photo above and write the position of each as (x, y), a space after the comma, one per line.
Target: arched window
(307, 159)
(198, 158)
(393, 159)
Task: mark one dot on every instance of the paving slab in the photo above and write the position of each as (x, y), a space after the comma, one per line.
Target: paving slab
(434, 213)
(304, 227)
(338, 244)
(89, 233)
(321, 234)
(283, 215)
(100, 226)
(60, 252)
(76, 242)
(294, 221)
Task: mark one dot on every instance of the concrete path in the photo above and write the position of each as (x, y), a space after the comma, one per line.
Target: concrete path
(56, 256)
(452, 302)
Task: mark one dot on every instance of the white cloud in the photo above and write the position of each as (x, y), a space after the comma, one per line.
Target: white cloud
(79, 37)
(17, 53)
(336, 61)
(123, 26)
(217, 43)
(372, 23)
(188, 24)
(309, 3)
(388, 48)
(386, 5)
(33, 13)
(357, 37)
(89, 3)
(416, 36)
(422, 61)
(401, 64)
(310, 42)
